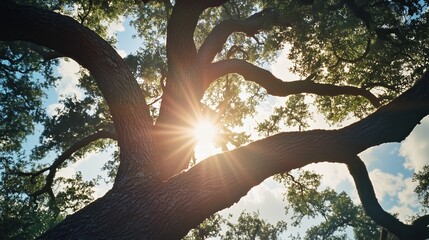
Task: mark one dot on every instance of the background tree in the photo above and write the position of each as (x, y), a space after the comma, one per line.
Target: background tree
(204, 59)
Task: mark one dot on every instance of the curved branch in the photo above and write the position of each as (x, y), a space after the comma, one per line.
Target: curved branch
(422, 222)
(232, 174)
(113, 77)
(250, 26)
(375, 211)
(277, 87)
(181, 49)
(47, 187)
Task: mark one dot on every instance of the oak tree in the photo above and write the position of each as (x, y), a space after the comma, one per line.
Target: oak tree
(205, 59)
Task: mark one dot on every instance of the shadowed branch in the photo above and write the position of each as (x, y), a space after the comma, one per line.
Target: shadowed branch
(277, 87)
(375, 211)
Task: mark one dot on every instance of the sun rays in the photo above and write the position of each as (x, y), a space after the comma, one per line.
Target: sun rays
(205, 134)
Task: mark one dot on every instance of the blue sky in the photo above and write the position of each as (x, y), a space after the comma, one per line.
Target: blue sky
(390, 165)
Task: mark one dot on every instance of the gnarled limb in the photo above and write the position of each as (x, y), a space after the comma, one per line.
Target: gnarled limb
(277, 87)
(180, 104)
(231, 174)
(47, 187)
(116, 82)
(375, 211)
(221, 180)
(266, 18)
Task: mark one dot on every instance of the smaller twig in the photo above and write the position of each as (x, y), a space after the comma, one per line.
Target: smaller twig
(155, 101)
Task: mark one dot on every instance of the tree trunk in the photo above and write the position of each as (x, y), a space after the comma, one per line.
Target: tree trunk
(149, 202)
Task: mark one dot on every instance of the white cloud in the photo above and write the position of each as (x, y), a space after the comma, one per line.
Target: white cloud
(386, 184)
(67, 172)
(281, 66)
(266, 197)
(52, 109)
(99, 191)
(415, 148)
(408, 201)
(115, 26)
(368, 156)
(333, 173)
(398, 187)
(67, 86)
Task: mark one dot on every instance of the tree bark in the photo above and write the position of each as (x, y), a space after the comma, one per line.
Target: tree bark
(168, 210)
(127, 105)
(140, 205)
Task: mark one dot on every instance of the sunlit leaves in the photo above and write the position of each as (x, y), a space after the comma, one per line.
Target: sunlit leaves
(377, 46)
(337, 109)
(78, 119)
(21, 92)
(211, 227)
(306, 199)
(20, 216)
(248, 226)
(150, 21)
(231, 100)
(294, 113)
(73, 193)
(149, 67)
(251, 226)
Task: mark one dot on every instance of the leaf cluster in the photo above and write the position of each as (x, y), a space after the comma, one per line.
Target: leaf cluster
(248, 226)
(294, 113)
(337, 211)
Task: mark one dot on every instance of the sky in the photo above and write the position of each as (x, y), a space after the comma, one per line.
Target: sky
(390, 165)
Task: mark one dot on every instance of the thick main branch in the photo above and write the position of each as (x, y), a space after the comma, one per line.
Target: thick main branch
(116, 82)
(233, 173)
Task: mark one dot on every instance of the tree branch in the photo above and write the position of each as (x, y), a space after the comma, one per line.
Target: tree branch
(180, 32)
(250, 26)
(375, 211)
(183, 89)
(45, 53)
(47, 187)
(121, 91)
(232, 174)
(277, 87)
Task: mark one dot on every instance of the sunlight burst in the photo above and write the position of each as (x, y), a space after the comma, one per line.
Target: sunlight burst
(205, 132)
(205, 136)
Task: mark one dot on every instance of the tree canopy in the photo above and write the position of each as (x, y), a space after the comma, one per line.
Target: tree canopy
(205, 60)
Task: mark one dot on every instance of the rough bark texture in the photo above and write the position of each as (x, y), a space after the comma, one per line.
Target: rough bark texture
(151, 198)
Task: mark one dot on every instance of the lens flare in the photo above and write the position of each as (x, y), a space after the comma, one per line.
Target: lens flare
(205, 133)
